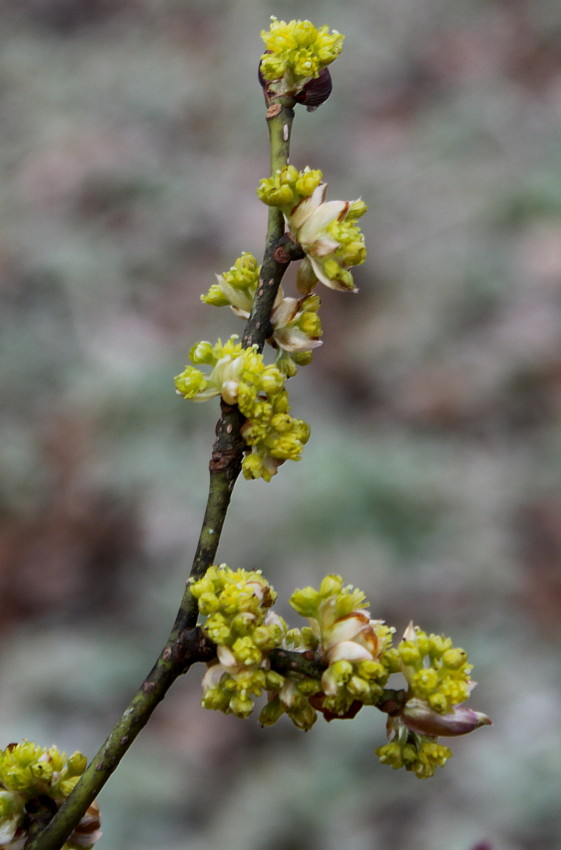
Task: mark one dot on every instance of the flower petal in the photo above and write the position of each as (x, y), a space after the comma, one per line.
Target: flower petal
(227, 658)
(213, 676)
(347, 628)
(348, 650)
(285, 311)
(307, 206)
(319, 218)
(342, 283)
(293, 339)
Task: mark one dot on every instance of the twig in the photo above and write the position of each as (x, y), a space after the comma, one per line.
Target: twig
(184, 646)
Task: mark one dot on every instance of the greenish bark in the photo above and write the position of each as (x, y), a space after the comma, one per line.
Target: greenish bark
(279, 121)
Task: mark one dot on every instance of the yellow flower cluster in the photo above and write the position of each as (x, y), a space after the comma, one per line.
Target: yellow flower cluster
(34, 770)
(239, 621)
(436, 671)
(240, 376)
(351, 250)
(352, 645)
(295, 699)
(295, 324)
(437, 675)
(296, 331)
(284, 438)
(236, 288)
(418, 753)
(288, 186)
(32, 778)
(355, 654)
(296, 52)
(326, 231)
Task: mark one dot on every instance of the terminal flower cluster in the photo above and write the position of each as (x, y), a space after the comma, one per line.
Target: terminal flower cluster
(239, 621)
(296, 326)
(437, 674)
(34, 782)
(296, 53)
(353, 658)
(326, 230)
(240, 376)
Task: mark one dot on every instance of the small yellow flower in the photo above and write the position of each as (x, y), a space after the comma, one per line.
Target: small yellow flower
(236, 287)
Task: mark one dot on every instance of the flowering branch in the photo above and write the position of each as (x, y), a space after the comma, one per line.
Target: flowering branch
(179, 653)
(340, 662)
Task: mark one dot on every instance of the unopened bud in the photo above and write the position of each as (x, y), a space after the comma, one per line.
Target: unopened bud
(419, 717)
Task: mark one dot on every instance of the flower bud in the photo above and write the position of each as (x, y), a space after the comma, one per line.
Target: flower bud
(331, 585)
(420, 718)
(215, 296)
(271, 712)
(202, 352)
(208, 603)
(273, 680)
(303, 716)
(359, 688)
(241, 706)
(305, 601)
(356, 209)
(454, 658)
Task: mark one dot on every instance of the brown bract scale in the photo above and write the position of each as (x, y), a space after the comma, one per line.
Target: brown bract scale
(316, 91)
(312, 95)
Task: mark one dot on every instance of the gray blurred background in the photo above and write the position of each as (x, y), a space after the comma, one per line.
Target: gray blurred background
(132, 139)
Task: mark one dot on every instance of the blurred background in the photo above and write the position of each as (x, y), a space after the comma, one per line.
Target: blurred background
(132, 138)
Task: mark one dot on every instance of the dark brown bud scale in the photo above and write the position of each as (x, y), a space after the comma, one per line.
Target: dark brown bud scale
(314, 93)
